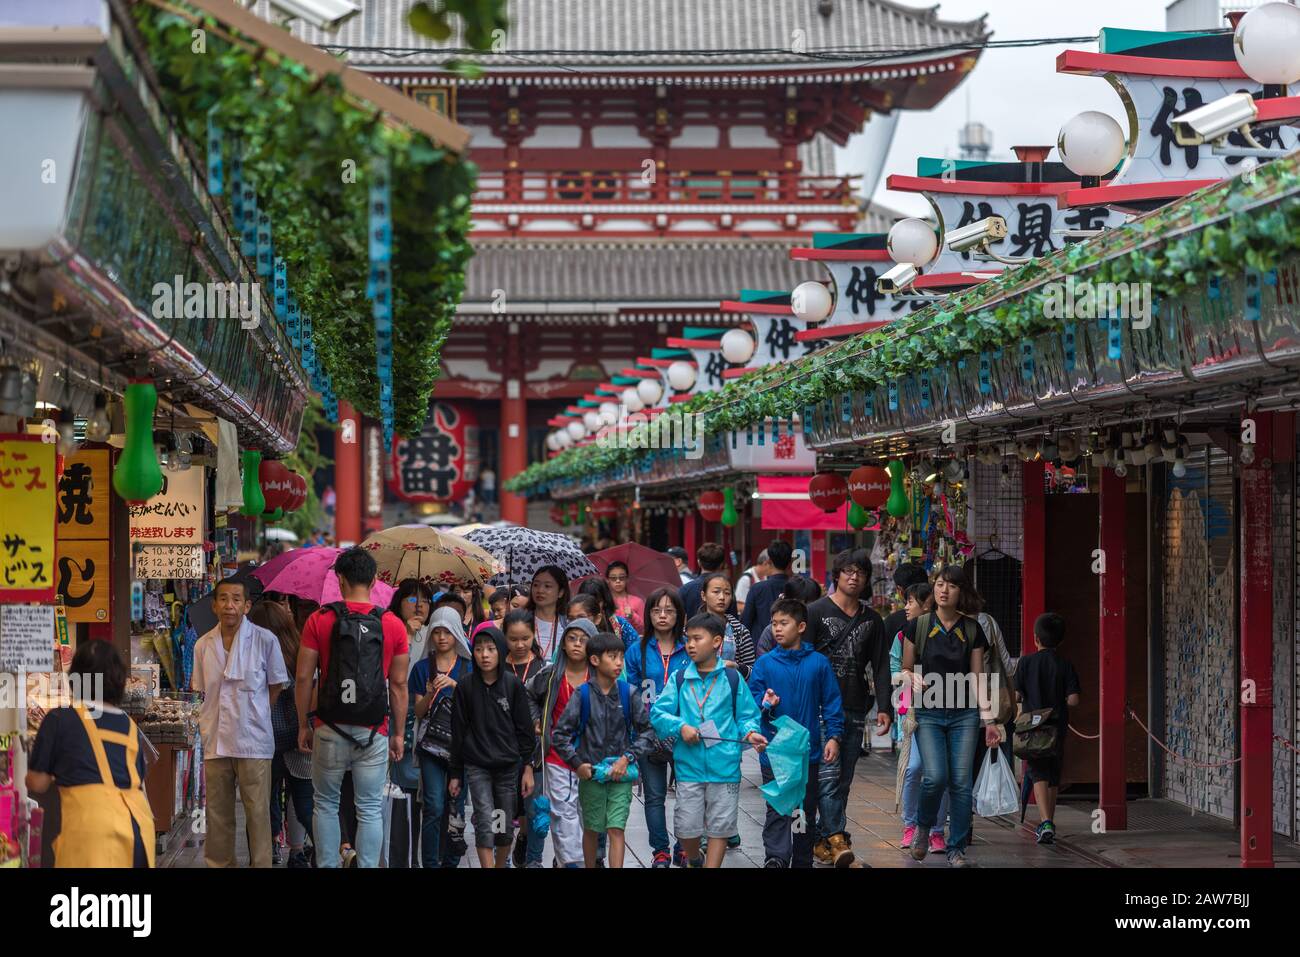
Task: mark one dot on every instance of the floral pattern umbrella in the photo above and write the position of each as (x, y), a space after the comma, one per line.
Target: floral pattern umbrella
(435, 557)
(522, 551)
(309, 573)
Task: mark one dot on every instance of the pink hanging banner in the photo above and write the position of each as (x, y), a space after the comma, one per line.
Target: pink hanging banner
(796, 512)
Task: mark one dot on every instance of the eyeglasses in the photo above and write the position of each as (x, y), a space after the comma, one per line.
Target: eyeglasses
(617, 578)
(416, 600)
(853, 573)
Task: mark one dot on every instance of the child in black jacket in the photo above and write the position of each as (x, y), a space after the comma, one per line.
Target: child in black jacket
(492, 737)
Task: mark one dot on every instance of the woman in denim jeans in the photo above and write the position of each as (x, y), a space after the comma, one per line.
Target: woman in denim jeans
(951, 701)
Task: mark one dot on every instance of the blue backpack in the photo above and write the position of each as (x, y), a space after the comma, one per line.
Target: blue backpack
(584, 714)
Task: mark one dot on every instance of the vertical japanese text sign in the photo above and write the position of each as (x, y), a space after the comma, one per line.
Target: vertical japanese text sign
(84, 579)
(27, 489)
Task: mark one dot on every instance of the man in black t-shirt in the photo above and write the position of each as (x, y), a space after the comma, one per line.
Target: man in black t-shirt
(1046, 680)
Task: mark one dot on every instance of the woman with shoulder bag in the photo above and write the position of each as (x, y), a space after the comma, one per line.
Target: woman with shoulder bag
(431, 685)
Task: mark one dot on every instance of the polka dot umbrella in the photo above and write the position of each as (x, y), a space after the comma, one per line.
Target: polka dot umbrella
(435, 557)
(522, 551)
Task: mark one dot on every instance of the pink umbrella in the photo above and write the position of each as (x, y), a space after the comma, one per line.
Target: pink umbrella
(309, 573)
(647, 569)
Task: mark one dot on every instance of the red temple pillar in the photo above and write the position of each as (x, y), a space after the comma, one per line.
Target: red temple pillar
(691, 537)
(514, 429)
(1034, 568)
(1113, 653)
(1274, 441)
(347, 477)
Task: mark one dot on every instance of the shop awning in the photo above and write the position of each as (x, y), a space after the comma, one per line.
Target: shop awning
(786, 506)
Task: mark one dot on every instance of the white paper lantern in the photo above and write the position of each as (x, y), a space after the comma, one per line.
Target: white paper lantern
(632, 400)
(1091, 144)
(592, 421)
(609, 412)
(681, 375)
(738, 346)
(811, 301)
(650, 391)
(552, 443)
(1267, 44)
(563, 439)
(912, 241)
(577, 431)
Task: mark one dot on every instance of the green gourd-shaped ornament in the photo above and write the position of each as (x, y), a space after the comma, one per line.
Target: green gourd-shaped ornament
(897, 505)
(138, 477)
(254, 500)
(272, 517)
(858, 517)
(729, 515)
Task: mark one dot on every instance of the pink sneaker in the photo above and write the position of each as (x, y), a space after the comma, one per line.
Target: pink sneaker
(909, 836)
(937, 844)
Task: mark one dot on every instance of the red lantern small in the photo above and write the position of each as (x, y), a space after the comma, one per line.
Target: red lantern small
(828, 490)
(869, 486)
(575, 512)
(297, 491)
(277, 487)
(557, 515)
(604, 508)
(711, 506)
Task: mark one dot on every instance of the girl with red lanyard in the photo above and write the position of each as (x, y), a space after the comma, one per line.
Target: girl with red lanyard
(525, 660)
(432, 680)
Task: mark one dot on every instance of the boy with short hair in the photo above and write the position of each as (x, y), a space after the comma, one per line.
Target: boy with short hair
(704, 709)
(604, 721)
(1046, 680)
(794, 680)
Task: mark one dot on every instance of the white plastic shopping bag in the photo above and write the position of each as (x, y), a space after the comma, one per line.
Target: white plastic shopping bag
(995, 788)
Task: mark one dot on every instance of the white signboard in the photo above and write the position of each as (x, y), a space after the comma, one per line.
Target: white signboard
(26, 638)
(786, 454)
(175, 515)
(169, 561)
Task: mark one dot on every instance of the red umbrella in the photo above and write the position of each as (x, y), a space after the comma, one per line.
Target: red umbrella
(647, 569)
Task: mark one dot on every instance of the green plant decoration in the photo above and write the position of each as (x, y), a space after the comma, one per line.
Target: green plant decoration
(254, 500)
(729, 515)
(138, 476)
(897, 505)
(858, 517)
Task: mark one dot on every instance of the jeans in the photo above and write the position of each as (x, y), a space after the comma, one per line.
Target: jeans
(655, 778)
(494, 792)
(300, 793)
(332, 755)
(912, 791)
(947, 737)
(786, 839)
(434, 850)
(837, 778)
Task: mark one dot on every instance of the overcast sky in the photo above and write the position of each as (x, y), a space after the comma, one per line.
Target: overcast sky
(1017, 93)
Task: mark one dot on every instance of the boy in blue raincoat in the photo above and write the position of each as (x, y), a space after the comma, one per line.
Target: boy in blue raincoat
(705, 708)
(794, 680)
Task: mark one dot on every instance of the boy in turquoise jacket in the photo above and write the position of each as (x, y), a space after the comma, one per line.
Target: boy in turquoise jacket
(706, 710)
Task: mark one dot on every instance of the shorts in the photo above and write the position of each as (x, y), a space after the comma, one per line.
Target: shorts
(1047, 770)
(706, 809)
(605, 807)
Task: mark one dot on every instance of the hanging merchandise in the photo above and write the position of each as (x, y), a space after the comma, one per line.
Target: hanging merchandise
(869, 486)
(138, 476)
(828, 490)
(729, 515)
(604, 508)
(712, 504)
(897, 505)
(275, 482)
(254, 500)
(858, 517)
(575, 513)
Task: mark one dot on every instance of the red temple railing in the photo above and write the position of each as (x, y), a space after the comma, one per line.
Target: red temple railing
(594, 187)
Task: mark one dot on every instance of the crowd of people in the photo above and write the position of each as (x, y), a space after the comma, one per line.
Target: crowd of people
(360, 736)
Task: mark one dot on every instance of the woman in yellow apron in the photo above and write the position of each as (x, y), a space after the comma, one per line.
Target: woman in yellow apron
(105, 816)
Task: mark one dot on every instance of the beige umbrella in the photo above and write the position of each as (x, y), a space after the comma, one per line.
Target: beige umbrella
(434, 557)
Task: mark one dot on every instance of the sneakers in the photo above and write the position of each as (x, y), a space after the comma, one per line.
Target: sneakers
(456, 846)
(774, 864)
(693, 865)
(937, 844)
(535, 865)
(679, 857)
(298, 860)
(733, 842)
(347, 857)
(276, 859)
(957, 859)
(841, 853)
(909, 835)
(1046, 833)
(822, 853)
(662, 859)
(920, 847)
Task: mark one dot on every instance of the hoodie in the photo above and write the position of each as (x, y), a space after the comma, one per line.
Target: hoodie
(606, 734)
(809, 693)
(491, 724)
(705, 762)
(544, 687)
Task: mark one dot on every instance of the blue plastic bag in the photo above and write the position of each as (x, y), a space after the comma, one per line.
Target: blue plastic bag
(787, 755)
(539, 817)
(600, 773)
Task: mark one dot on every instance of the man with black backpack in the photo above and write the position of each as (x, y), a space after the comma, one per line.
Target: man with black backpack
(851, 635)
(361, 653)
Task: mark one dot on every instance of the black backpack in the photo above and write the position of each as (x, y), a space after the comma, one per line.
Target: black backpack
(355, 690)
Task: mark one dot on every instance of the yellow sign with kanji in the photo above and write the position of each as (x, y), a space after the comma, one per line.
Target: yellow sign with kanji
(85, 491)
(84, 581)
(27, 518)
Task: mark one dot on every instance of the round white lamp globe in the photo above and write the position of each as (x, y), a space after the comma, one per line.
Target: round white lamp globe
(1267, 44)
(552, 443)
(632, 400)
(1091, 144)
(738, 346)
(592, 421)
(811, 301)
(650, 391)
(912, 241)
(563, 439)
(577, 431)
(609, 412)
(681, 375)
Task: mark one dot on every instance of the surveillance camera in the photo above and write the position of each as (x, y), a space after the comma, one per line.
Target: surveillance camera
(1215, 120)
(897, 279)
(323, 14)
(976, 234)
